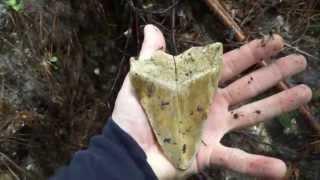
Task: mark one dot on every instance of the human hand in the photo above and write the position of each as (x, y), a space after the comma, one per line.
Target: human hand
(129, 114)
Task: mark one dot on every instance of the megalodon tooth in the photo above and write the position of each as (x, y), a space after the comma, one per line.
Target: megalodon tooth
(176, 92)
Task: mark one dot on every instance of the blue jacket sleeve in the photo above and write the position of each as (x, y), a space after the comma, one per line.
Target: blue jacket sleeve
(112, 155)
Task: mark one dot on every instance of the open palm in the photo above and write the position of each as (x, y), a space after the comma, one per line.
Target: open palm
(129, 115)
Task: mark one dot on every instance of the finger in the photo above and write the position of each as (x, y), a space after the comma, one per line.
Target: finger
(153, 40)
(239, 60)
(243, 162)
(213, 129)
(257, 82)
(270, 107)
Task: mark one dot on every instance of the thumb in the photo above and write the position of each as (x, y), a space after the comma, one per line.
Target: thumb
(153, 40)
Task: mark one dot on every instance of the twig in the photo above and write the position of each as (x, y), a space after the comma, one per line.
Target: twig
(11, 162)
(218, 8)
(301, 51)
(2, 90)
(173, 27)
(226, 18)
(122, 61)
(13, 173)
(162, 11)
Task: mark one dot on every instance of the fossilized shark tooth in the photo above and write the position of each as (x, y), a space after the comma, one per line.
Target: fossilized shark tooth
(176, 92)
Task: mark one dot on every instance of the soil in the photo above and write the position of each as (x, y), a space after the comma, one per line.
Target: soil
(62, 63)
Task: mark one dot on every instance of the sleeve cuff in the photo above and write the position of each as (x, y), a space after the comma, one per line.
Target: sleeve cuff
(115, 134)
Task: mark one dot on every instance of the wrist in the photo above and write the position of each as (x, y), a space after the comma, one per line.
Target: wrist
(160, 165)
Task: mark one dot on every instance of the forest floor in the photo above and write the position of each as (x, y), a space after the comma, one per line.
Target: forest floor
(62, 63)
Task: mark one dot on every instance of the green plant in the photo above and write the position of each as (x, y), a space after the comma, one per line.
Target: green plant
(14, 4)
(53, 61)
(287, 119)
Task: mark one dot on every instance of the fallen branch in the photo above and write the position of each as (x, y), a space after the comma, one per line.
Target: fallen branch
(218, 8)
(226, 18)
(301, 51)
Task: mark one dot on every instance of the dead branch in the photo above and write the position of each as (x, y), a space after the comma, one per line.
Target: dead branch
(173, 28)
(226, 18)
(301, 51)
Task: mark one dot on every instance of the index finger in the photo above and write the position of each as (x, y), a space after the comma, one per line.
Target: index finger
(239, 60)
